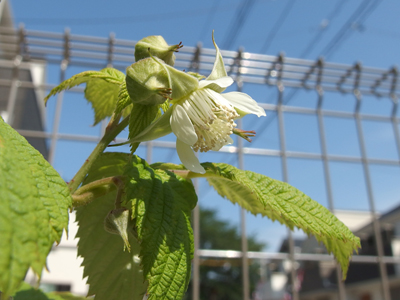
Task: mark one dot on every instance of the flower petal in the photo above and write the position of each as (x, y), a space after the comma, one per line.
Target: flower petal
(187, 157)
(222, 82)
(155, 130)
(182, 84)
(182, 127)
(245, 103)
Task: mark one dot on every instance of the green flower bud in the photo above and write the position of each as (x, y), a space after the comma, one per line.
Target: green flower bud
(150, 81)
(147, 82)
(158, 47)
(118, 221)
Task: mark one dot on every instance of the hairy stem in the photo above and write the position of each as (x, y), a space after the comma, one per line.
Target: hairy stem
(98, 188)
(119, 183)
(112, 130)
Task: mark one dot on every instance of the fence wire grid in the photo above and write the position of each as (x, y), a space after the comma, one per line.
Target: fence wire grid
(312, 107)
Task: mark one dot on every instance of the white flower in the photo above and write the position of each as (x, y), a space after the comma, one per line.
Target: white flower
(200, 116)
(204, 120)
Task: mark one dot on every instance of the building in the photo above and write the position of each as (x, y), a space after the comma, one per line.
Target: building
(21, 82)
(317, 280)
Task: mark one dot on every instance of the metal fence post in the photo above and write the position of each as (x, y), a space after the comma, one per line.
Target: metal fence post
(367, 177)
(57, 114)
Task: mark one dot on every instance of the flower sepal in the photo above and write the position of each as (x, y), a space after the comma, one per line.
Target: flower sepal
(218, 70)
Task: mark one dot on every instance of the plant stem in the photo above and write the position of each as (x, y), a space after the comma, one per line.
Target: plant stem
(87, 193)
(112, 130)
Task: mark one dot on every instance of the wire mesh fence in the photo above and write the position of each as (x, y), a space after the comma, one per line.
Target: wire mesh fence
(332, 130)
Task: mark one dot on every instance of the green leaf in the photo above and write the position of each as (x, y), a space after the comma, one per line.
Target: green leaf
(280, 201)
(34, 202)
(162, 203)
(141, 118)
(168, 166)
(103, 93)
(124, 102)
(102, 90)
(159, 128)
(64, 296)
(27, 292)
(108, 74)
(103, 96)
(112, 273)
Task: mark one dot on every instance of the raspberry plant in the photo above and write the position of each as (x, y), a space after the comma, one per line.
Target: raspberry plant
(135, 234)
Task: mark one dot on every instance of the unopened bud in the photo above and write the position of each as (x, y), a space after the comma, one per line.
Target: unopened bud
(151, 81)
(158, 47)
(118, 221)
(147, 82)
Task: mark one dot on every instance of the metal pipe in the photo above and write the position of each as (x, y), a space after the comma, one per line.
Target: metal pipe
(240, 156)
(282, 139)
(341, 287)
(375, 222)
(57, 114)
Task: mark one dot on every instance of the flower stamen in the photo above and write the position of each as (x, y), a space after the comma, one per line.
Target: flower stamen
(212, 118)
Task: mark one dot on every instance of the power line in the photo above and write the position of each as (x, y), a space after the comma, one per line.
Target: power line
(359, 16)
(238, 22)
(277, 25)
(210, 17)
(320, 33)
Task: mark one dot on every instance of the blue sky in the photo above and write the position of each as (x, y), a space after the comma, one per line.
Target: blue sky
(344, 31)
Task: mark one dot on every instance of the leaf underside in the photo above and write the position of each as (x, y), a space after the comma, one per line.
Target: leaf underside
(280, 201)
(34, 202)
(112, 273)
(161, 203)
(102, 90)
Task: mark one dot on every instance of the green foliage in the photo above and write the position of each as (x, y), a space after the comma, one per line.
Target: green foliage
(280, 201)
(64, 296)
(148, 206)
(26, 292)
(103, 96)
(102, 90)
(141, 117)
(162, 203)
(123, 101)
(34, 202)
(112, 273)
